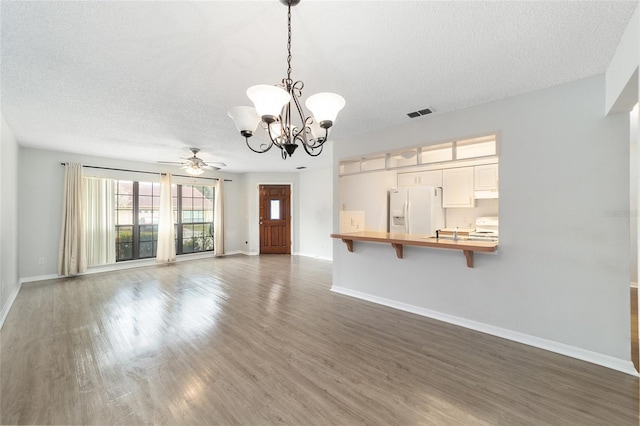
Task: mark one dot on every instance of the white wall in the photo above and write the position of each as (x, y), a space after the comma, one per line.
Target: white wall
(634, 161)
(9, 220)
(622, 73)
(367, 192)
(235, 206)
(40, 181)
(316, 213)
(560, 278)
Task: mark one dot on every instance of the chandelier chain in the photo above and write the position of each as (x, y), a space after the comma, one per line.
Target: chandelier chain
(289, 42)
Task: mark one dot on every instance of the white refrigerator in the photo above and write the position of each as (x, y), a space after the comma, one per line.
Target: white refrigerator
(415, 210)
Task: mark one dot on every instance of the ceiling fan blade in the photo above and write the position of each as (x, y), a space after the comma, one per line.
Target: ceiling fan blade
(196, 162)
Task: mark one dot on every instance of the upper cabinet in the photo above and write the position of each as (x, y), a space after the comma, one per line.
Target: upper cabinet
(457, 187)
(427, 178)
(486, 177)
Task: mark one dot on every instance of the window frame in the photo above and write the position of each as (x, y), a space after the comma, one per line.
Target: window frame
(179, 223)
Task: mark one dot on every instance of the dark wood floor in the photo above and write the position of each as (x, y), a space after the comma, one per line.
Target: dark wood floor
(261, 340)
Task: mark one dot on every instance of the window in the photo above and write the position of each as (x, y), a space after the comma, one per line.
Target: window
(124, 220)
(478, 147)
(274, 214)
(436, 153)
(148, 213)
(463, 149)
(194, 211)
(137, 210)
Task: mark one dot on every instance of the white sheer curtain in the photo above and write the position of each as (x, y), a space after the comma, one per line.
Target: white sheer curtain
(218, 219)
(166, 232)
(72, 257)
(99, 221)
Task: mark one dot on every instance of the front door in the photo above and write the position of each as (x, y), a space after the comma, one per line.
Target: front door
(275, 219)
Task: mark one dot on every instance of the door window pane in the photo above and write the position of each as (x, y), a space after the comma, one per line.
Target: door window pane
(274, 214)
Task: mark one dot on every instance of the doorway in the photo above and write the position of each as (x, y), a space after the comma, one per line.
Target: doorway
(275, 219)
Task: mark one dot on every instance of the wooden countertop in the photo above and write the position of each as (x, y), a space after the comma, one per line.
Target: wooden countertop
(398, 241)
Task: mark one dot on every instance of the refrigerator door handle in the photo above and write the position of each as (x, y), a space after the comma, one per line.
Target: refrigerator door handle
(406, 217)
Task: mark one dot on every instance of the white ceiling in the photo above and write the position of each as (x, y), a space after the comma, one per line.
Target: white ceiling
(147, 80)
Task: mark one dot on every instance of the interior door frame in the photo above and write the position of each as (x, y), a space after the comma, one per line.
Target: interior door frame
(292, 222)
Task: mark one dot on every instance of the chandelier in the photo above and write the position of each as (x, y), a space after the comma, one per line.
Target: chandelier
(277, 109)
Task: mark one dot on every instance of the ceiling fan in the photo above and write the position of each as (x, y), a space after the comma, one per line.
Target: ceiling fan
(195, 165)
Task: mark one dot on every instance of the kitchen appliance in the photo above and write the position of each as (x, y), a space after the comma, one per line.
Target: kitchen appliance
(415, 210)
(486, 228)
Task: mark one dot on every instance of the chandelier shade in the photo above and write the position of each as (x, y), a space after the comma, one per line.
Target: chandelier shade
(279, 112)
(325, 107)
(268, 100)
(246, 119)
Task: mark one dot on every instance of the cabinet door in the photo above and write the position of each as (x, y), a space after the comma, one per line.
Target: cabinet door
(486, 177)
(408, 179)
(457, 187)
(431, 178)
(428, 178)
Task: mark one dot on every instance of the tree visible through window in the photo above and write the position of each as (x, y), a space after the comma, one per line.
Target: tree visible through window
(137, 211)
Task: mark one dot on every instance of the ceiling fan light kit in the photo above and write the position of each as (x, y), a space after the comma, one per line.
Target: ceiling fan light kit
(193, 170)
(277, 106)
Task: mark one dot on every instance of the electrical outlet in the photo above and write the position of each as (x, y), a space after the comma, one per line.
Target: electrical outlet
(41, 261)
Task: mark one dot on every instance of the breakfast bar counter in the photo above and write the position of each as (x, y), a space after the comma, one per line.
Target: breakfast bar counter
(398, 241)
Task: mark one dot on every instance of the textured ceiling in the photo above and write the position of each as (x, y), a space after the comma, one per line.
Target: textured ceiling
(147, 80)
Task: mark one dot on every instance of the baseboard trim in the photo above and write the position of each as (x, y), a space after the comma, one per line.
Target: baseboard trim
(314, 256)
(120, 266)
(549, 345)
(26, 280)
(145, 262)
(7, 307)
(231, 253)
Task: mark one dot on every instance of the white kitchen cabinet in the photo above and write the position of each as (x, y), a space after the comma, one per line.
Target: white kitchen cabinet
(457, 187)
(428, 178)
(486, 177)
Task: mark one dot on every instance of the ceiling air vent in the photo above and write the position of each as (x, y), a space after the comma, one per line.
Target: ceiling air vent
(420, 113)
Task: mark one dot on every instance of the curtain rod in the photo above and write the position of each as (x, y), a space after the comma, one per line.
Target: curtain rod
(142, 171)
